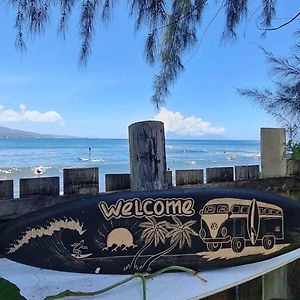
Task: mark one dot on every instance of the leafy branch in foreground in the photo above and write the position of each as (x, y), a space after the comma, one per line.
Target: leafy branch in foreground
(143, 276)
(172, 27)
(293, 150)
(283, 100)
(9, 291)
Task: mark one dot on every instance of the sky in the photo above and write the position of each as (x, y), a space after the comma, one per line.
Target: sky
(44, 90)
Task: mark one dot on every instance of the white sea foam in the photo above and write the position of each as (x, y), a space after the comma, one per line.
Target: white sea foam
(97, 160)
(6, 171)
(83, 158)
(91, 159)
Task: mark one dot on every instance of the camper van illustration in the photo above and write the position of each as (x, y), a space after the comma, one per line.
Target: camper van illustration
(237, 223)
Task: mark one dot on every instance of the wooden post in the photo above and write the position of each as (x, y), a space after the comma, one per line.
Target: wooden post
(273, 152)
(274, 164)
(45, 186)
(117, 182)
(186, 177)
(81, 181)
(147, 156)
(219, 174)
(6, 189)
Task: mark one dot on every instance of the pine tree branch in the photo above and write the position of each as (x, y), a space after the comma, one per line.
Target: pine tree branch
(280, 26)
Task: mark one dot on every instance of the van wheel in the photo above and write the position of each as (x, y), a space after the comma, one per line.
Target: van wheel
(268, 242)
(238, 244)
(213, 247)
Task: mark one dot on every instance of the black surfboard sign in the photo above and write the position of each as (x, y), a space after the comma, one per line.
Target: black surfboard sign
(129, 232)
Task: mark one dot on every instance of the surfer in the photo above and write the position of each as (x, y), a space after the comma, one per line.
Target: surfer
(77, 247)
(39, 171)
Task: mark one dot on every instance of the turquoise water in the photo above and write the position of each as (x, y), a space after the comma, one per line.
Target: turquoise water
(20, 158)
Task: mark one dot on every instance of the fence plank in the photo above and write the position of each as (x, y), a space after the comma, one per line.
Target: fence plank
(246, 172)
(6, 189)
(219, 174)
(251, 289)
(44, 186)
(293, 168)
(186, 177)
(81, 181)
(117, 182)
(169, 178)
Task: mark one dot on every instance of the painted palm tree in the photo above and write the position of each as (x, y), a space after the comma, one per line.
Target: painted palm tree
(153, 232)
(179, 233)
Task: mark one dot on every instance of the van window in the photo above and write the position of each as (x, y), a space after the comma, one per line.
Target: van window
(235, 209)
(244, 209)
(222, 209)
(210, 209)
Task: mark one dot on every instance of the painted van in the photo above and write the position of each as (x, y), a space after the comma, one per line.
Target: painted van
(238, 223)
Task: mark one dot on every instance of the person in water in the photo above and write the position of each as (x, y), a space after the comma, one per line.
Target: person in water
(90, 153)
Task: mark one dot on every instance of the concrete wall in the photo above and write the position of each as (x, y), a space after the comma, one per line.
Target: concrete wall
(273, 152)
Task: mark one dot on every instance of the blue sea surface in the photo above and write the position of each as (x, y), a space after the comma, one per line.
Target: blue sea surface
(20, 158)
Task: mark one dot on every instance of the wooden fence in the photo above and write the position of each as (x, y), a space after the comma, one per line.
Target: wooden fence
(37, 193)
(85, 181)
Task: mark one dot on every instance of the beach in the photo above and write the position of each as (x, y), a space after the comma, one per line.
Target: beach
(27, 158)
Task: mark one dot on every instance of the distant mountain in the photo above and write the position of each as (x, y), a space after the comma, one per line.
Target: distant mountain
(6, 132)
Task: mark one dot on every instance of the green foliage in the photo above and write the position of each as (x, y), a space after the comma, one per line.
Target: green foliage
(283, 100)
(293, 150)
(172, 27)
(9, 291)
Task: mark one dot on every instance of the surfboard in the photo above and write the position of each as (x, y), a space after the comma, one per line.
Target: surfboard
(253, 222)
(129, 232)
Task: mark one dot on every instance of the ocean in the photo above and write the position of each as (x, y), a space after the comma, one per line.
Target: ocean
(20, 158)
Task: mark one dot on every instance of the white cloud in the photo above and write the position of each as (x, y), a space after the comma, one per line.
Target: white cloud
(10, 115)
(175, 122)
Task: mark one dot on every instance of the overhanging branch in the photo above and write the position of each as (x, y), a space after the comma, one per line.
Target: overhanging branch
(280, 26)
